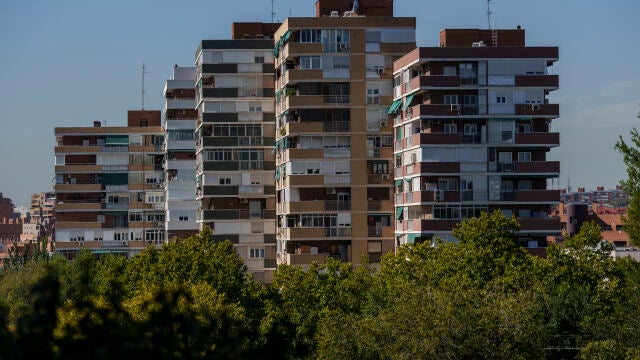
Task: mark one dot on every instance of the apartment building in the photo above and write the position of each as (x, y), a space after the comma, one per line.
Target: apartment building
(180, 153)
(235, 137)
(334, 145)
(472, 131)
(109, 186)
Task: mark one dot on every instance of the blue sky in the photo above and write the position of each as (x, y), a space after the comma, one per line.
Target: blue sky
(69, 62)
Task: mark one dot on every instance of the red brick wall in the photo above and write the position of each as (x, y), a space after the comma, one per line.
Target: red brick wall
(365, 7)
(136, 117)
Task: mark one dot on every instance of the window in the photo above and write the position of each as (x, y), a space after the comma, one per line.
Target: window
(259, 59)
(378, 167)
(450, 128)
(373, 96)
(470, 100)
(470, 129)
(59, 160)
(310, 36)
(180, 134)
(225, 181)
(335, 40)
(504, 157)
(310, 62)
(256, 253)
(451, 99)
(501, 99)
(524, 156)
(255, 107)
(135, 216)
(448, 184)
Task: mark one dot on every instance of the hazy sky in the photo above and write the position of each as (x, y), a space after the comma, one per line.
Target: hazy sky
(69, 62)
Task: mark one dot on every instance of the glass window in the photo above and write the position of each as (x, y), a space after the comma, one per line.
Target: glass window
(451, 99)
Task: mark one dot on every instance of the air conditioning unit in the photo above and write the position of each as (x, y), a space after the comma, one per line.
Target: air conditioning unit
(244, 200)
(383, 123)
(331, 190)
(438, 195)
(535, 107)
(455, 107)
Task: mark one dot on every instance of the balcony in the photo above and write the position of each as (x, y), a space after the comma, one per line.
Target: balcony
(538, 167)
(238, 214)
(315, 233)
(292, 49)
(78, 168)
(433, 110)
(379, 179)
(538, 110)
(380, 231)
(431, 225)
(537, 196)
(77, 187)
(316, 206)
(305, 259)
(434, 168)
(539, 224)
(380, 205)
(294, 128)
(78, 206)
(77, 149)
(538, 138)
(548, 82)
(297, 75)
(60, 225)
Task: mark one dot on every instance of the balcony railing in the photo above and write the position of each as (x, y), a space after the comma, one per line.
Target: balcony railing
(336, 99)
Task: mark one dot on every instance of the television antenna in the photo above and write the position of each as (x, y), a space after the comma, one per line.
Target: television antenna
(273, 12)
(489, 13)
(143, 74)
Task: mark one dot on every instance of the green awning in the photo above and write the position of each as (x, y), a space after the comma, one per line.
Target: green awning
(411, 238)
(399, 212)
(116, 140)
(394, 106)
(285, 37)
(285, 143)
(286, 112)
(407, 101)
(398, 182)
(275, 147)
(276, 48)
(408, 179)
(115, 179)
(399, 133)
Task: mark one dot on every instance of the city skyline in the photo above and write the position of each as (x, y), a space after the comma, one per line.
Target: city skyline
(71, 63)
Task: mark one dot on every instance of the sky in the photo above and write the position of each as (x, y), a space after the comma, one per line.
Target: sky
(70, 62)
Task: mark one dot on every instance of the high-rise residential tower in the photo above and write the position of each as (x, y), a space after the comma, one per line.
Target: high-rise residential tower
(180, 156)
(235, 137)
(334, 145)
(109, 186)
(472, 131)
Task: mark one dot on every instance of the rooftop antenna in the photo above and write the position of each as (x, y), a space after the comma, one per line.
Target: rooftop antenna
(494, 32)
(143, 73)
(273, 12)
(489, 13)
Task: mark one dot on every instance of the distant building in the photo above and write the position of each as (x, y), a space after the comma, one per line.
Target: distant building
(572, 215)
(611, 197)
(10, 227)
(110, 186)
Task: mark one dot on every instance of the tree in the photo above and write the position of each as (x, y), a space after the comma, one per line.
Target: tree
(631, 157)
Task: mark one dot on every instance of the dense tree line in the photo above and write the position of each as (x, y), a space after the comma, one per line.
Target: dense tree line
(483, 298)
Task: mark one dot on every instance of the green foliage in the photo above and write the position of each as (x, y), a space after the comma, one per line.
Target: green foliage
(482, 298)
(631, 157)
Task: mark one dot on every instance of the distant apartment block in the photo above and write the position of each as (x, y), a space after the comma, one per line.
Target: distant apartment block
(334, 145)
(611, 197)
(110, 186)
(471, 121)
(180, 153)
(235, 137)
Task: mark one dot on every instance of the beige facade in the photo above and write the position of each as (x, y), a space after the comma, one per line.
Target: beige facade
(235, 137)
(334, 145)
